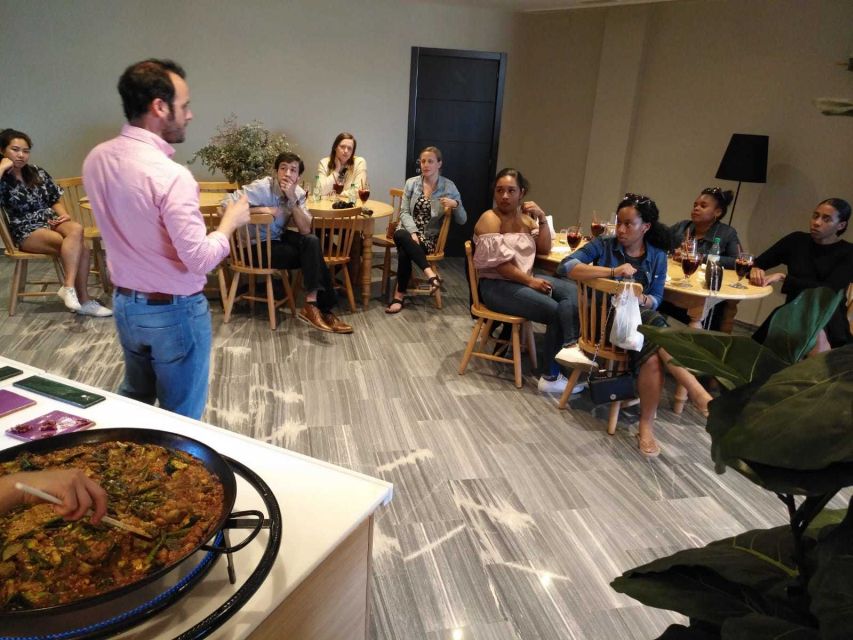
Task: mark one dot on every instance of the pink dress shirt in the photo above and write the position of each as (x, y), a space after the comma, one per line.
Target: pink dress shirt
(146, 207)
(495, 249)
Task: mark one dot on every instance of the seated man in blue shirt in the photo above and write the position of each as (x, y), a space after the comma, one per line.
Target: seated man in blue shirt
(281, 196)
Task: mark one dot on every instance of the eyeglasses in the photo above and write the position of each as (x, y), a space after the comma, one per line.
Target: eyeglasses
(637, 199)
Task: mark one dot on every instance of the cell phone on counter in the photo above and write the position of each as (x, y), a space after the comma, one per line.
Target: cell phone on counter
(11, 402)
(9, 372)
(59, 391)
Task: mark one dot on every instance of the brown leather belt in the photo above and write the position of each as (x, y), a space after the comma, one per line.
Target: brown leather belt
(152, 297)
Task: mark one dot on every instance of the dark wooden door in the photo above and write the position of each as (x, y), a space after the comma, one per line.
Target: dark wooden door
(455, 100)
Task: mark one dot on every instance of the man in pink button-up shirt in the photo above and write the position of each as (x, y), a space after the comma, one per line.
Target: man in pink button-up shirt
(158, 249)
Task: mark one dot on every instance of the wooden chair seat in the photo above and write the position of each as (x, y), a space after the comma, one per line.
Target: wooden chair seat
(385, 241)
(19, 275)
(246, 247)
(481, 333)
(593, 307)
(336, 233)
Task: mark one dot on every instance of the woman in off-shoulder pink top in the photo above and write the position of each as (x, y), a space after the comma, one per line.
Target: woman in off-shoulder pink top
(507, 239)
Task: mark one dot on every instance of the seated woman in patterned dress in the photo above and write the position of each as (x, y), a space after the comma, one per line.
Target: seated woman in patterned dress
(39, 222)
(424, 200)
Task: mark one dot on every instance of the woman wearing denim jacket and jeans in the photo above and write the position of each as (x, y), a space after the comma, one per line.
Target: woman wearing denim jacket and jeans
(424, 200)
(638, 251)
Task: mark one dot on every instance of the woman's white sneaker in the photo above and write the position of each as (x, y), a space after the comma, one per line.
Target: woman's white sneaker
(94, 308)
(69, 297)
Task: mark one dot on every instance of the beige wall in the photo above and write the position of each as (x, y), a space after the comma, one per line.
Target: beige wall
(309, 69)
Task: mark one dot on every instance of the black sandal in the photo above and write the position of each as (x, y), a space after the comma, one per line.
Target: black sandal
(434, 285)
(389, 310)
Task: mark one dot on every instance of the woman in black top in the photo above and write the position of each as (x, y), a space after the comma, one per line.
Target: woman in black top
(819, 258)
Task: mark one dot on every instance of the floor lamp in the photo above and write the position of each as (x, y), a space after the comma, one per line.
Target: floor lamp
(745, 160)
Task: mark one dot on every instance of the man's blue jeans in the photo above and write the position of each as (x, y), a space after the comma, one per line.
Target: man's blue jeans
(166, 351)
(558, 312)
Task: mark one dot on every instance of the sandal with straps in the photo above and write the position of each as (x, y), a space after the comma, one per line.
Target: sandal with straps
(389, 309)
(434, 285)
(648, 448)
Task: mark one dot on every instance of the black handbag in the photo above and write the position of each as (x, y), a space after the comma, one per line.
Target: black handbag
(606, 386)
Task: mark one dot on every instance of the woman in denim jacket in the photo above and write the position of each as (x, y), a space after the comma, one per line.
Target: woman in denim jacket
(424, 199)
(638, 251)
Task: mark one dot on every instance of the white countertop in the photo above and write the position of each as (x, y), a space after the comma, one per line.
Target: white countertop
(321, 504)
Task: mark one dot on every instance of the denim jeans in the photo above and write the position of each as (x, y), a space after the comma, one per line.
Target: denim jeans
(558, 312)
(166, 351)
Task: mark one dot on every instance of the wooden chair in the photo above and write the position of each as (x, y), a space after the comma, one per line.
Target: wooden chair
(336, 233)
(19, 275)
(593, 306)
(246, 246)
(73, 194)
(483, 326)
(434, 258)
(211, 222)
(217, 187)
(385, 240)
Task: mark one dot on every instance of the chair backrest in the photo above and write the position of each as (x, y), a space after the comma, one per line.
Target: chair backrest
(247, 246)
(396, 204)
(473, 276)
(217, 187)
(5, 234)
(72, 192)
(594, 305)
(336, 233)
(438, 254)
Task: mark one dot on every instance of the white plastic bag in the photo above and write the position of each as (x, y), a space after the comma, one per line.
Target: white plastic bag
(627, 318)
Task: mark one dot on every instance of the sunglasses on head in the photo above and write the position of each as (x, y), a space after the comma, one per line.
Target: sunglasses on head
(637, 199)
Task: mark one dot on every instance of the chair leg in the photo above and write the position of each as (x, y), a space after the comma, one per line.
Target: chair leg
(271, 302)
(18, 276)
(469, 348)
(485, 334)
(223, 285)
(348, 285)
(613, 417)
(438, 303)
(567, 392)
(229, 300)
(516, 354)
(60, 274)
(288, 291)
(531, 344)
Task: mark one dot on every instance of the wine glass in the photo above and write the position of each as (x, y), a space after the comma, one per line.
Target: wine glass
(573, 236)
(562, 236)
(364, 193)
(690, 262)
(743, 265)
(338, 188)
(597, 226)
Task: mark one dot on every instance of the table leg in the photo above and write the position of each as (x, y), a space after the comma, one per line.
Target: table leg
(366, 260)
(695, 313)
(729, 311)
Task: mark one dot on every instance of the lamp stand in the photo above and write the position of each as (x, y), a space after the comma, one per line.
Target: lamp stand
(734, 204)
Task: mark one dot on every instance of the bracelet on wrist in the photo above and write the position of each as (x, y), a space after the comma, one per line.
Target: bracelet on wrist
(612, 272)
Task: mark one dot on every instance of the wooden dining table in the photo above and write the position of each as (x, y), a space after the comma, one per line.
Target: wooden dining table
(694, 297)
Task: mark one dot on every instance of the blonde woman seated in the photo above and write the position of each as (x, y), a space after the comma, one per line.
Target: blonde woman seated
(507, 239)
(39, 222)
(341, 166)
(638, 251)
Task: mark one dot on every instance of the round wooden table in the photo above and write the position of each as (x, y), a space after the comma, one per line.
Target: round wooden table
(366, 227)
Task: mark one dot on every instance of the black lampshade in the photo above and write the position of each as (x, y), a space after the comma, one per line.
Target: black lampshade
(745, 159)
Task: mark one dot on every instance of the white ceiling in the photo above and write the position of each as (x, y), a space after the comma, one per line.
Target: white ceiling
(543, 5)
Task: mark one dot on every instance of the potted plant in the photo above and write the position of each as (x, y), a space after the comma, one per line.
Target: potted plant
(787, 425)
(242, 153)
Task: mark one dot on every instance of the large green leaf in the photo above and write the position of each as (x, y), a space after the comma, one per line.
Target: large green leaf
(724, 412)
(831, 586)
(793, 481)
(732, 577)
(800, 418)
(733, 360)
(755, 626)
(696, 631)
(794, 327)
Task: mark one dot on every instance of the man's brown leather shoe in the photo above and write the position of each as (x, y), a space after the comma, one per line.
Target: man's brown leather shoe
(338, 325)
(313, 316)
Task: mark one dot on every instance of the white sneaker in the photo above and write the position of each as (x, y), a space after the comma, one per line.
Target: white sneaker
(573, 357)
(558, 385)
(94, 308)
(69, 296)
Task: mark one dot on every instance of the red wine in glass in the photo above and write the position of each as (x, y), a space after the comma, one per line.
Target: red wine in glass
(597, 229)
(742, 268)
(338, 187)
(574, 239)
(364, 194)
(689, 263)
